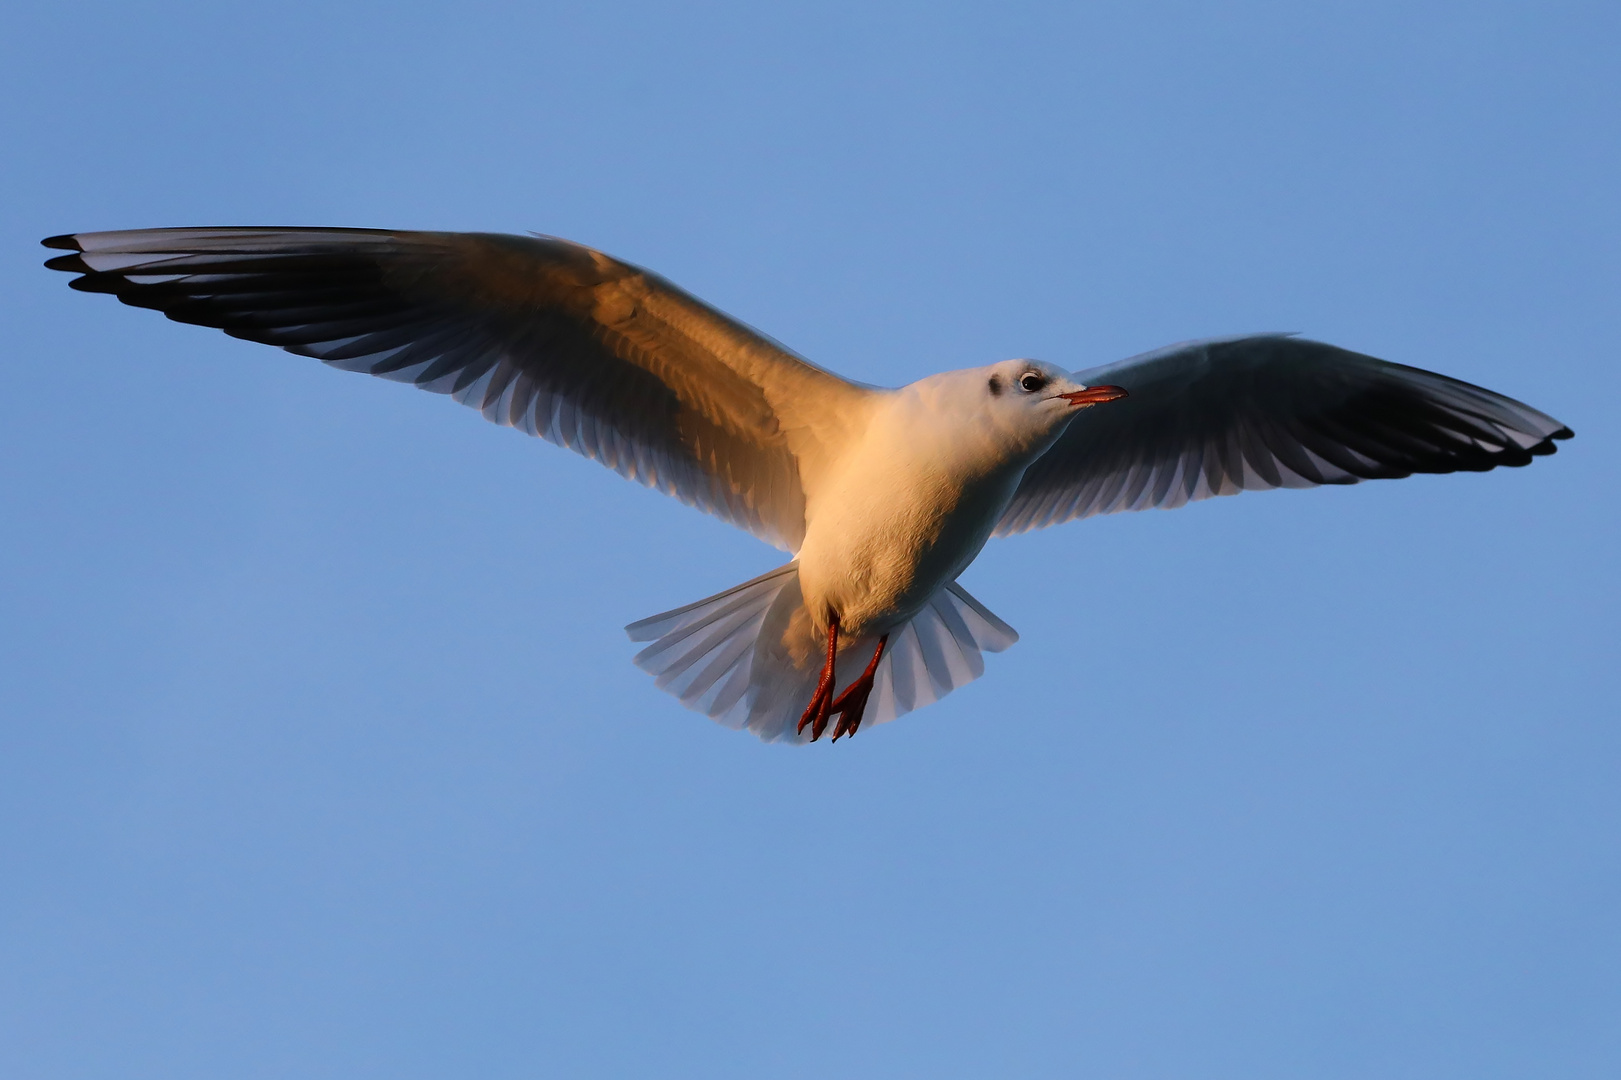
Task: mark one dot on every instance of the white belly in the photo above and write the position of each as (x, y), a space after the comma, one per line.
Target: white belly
(901, 520)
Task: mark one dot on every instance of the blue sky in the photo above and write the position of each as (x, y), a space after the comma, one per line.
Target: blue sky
(321, 752)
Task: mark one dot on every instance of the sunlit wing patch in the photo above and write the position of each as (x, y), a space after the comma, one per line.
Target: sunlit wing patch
(539, 334)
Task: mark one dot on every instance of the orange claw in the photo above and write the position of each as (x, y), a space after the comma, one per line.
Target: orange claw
(821, 702)
(853, 702)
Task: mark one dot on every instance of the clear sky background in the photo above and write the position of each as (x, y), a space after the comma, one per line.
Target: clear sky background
(322, 754)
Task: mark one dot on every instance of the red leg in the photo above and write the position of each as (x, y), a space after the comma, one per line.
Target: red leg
(853, 702)
(821, 702)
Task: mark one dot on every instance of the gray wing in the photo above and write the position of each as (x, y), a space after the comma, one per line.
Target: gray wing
(1247, 414)
(543, 335)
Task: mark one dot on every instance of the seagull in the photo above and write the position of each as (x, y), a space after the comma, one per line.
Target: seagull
(881, 496)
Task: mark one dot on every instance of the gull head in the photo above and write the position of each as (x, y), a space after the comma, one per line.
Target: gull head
(1029, 402)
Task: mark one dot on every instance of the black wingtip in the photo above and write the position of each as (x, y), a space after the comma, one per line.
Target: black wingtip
(97, 283)
(73, 264)
(1549, 445)
(65, 242)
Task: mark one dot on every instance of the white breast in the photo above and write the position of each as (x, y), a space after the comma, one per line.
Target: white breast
(903, 511)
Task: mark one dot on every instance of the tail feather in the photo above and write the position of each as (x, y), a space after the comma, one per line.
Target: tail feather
(730, 657)
(719, 629)
(657, 626)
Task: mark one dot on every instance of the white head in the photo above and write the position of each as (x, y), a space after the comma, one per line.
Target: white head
(1004, 415)
(990, 418)
(1026, 404)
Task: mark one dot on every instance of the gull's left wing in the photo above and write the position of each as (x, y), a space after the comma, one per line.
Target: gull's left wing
(1246, 414)
(541, 334)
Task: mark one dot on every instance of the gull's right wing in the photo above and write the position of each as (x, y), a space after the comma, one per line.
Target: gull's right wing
(537, 333)
(1266, 411)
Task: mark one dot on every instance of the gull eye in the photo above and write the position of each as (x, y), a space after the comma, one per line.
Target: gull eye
(1030, 382)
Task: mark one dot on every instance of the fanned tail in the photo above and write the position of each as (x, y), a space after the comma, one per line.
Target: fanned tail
(733, 656)
(704, 653)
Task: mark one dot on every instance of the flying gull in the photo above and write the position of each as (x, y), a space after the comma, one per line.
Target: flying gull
(882, 497)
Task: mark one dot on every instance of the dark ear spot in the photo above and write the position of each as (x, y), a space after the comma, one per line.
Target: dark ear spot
(996, 384)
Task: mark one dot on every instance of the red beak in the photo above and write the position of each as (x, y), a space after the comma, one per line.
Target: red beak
(1094, 395)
